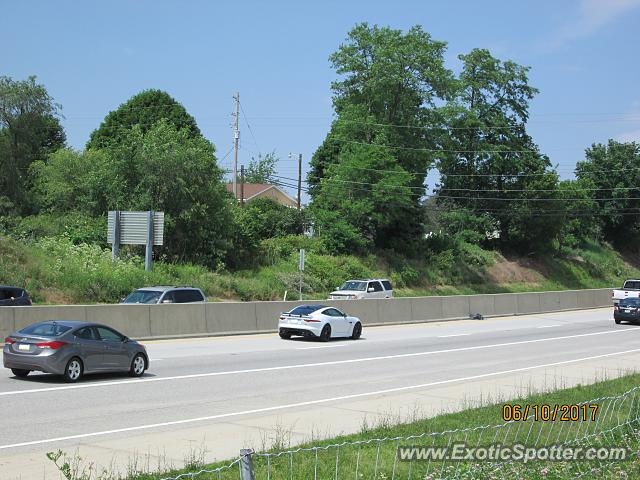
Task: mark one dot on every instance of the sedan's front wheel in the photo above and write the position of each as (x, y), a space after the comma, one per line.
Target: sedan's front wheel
(138, 365)
(74, 370)
(617, 320)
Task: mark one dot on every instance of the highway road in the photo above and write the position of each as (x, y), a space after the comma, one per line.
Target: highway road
(220, 394)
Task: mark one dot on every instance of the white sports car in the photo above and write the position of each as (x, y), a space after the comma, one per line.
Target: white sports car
(318, 321)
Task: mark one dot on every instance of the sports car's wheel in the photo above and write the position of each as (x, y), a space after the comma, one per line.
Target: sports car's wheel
(285, 335)
(325, 335)
(357, 331)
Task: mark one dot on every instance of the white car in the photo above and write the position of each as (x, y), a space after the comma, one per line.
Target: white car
(630, 289)
(356, 289)
(318, 321)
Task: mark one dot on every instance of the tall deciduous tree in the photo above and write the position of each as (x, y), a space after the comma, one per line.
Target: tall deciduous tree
(489, 164)
(389, 86)
(163, 169)
(29, 129)
(615, 170)
(143, 110)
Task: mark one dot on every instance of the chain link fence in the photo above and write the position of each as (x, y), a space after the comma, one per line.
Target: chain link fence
(616, 423)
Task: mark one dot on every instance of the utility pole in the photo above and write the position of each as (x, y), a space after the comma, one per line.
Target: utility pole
(236, 137)
(242, 186)
(299, 180)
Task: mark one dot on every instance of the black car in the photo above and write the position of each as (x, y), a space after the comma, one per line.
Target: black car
(13, 296)
(628, 309)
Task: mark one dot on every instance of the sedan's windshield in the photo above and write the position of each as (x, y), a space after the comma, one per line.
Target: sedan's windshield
(48, 329)
(630, 302)
(353, 285)
(143, 296)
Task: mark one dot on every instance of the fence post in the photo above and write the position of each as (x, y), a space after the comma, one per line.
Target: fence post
(246, 464)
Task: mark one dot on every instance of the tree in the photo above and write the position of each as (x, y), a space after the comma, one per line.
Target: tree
(143, 110)
(389, 87)
(29, 130)
(261, 169)
(372, 209)
(163, 169)
(615, 170)
(489, 164)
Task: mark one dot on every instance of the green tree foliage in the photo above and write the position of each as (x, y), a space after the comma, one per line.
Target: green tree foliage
(615, 170)
(163, 169)
(578, 220)
(143, 110)
(261, 219)
(370, 211)
(489, 164)
(390, 83)
(261, 169)
(29, 129)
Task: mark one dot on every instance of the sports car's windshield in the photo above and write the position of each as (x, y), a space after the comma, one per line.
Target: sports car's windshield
(360, 286)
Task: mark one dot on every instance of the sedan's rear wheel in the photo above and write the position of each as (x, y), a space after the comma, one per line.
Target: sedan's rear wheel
(357, 331)
(325, 334)
(138, 365)
(20, 372)
(284, 335)
(74, 370)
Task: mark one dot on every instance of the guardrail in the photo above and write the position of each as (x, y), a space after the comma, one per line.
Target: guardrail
(228, 318)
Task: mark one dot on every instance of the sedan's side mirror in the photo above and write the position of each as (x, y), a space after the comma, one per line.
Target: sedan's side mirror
(167, 300)
(370, 290)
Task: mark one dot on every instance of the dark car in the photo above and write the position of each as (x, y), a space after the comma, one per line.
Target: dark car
(72, 348)
(628, 309)
(13, 296)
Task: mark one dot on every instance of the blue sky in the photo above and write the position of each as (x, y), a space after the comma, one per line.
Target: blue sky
(93, 56)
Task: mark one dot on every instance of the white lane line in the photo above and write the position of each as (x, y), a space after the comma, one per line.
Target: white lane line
(548, 326)
(321, 346)
(454, 335)
(311, 402)
(308, 365)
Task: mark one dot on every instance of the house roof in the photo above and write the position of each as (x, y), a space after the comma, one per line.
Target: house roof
(252, 190)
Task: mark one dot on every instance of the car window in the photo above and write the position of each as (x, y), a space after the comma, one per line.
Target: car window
(48, 329)
(186, 296)
(354, 285)
(632, 285)
(376, 286)
(143, 296)
(108, 335)
(630, 302)
(305, 309)
(387, 285)
(86, 333)
(332, 312)
(170, 297)
(4, 294)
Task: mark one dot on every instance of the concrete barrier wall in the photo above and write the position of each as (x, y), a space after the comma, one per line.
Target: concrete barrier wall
(165, 321)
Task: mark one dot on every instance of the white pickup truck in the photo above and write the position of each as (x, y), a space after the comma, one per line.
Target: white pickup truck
(630, 289)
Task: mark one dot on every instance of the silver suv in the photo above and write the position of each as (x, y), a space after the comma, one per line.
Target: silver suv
(355, 289)
(150, 295)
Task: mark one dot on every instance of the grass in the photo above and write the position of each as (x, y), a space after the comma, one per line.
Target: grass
(617, 424)
(59, 270)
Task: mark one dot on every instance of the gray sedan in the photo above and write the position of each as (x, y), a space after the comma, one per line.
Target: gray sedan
(71, 349)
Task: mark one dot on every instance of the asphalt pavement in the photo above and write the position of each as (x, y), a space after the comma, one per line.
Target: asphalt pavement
(217, 395)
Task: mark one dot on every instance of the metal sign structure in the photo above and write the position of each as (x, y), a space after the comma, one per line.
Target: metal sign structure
(301, 268)
(135, 228)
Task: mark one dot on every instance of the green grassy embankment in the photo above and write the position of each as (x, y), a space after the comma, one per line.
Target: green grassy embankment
(57, 271)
